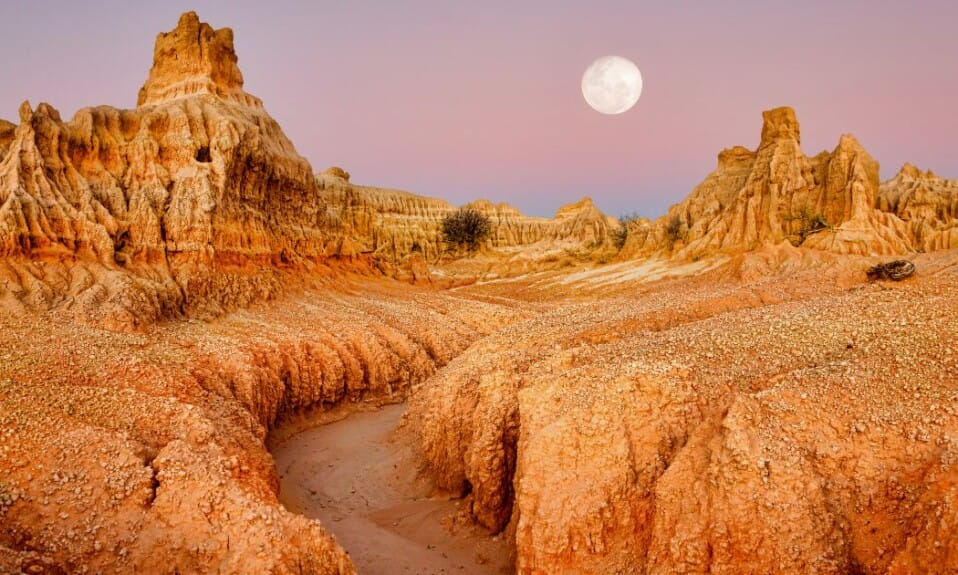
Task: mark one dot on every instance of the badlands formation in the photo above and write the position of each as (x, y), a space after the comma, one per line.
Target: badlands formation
(726, 393)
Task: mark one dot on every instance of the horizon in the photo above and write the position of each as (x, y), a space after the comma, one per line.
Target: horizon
(378, 109)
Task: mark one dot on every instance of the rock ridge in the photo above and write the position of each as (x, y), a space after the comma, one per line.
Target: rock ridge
(778, 194)
(927, 203)
(395, 225)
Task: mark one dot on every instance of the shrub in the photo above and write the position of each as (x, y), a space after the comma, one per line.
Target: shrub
(810, 222)
(620, 235)
(466, 227)
(673, 231)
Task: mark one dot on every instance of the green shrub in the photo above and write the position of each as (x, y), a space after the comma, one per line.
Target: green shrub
(466, 228)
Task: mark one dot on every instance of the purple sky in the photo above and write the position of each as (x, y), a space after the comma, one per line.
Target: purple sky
(465, 99)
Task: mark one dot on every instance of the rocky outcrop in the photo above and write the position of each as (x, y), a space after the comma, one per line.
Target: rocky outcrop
(927, 203)
(143, 450)
(337, 173)
(757, 418)
(7, 132)
(195, 202)
(713, 426)
(394, 225)
(389, 223)
(194, 59)
(778, 194)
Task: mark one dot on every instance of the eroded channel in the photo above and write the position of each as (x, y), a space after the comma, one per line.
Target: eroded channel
(359, 476)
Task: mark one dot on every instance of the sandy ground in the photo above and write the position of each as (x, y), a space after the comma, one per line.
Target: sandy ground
(360, 478)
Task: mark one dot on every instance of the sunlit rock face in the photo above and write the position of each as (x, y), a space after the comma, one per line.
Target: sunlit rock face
(782, 425)
(193, 202)
(778, 194)
(197, 203)
(194, 59)
(928, 203)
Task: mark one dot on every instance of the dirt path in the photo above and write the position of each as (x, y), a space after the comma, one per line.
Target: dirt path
(358, 476)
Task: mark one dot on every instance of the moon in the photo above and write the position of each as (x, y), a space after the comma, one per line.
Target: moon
(612, 85)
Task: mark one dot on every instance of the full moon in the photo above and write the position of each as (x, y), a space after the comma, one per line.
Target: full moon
(612, 85)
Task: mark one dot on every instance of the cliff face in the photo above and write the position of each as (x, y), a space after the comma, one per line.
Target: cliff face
(777, 194)
(394, 225)
(193, 201)
(929, 205)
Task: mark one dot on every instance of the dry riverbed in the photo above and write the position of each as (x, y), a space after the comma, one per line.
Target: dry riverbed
(360, 477)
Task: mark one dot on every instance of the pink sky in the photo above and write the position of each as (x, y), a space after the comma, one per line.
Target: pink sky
(462, 100)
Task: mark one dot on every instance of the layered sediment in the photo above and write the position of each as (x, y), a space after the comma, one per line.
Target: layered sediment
(144, 452)
(928, 203)
(778, 194)
(195, 202)
(394, 225)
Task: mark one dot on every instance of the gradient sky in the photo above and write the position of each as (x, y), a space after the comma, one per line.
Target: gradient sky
(467, 99)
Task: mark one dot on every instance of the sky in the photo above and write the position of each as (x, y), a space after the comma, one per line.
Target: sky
(459, 99)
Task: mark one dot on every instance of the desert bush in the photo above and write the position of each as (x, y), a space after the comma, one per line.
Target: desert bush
(466, 227)
(810, 222)
(673, 231)
(620, 235)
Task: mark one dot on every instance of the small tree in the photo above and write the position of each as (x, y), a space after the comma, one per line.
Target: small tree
(673, 231)
(466, 227)
(620, 235)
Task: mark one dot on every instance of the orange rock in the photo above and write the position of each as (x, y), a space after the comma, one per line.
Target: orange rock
(778, 194)
(743, 413)
(337, 172)
(393, 224)
(708, 424)
(194, 59)
(927, 203)
(195, 202)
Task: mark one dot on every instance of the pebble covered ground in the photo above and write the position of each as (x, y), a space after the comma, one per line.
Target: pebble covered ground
(145, 451)
(605, 422)
(804, 421)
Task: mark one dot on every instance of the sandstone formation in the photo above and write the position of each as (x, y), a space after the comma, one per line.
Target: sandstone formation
(393, 225)
(928, 203)
(777, 194)
(337, 173)
(752, 405)
(7, 132)
(786, 425)
(194, 59)
(195, 202)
